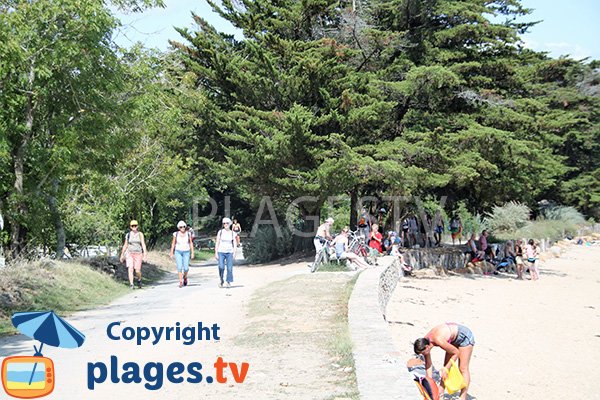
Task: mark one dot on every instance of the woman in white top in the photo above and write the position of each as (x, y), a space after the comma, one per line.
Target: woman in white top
(182, 248)
(225, 247)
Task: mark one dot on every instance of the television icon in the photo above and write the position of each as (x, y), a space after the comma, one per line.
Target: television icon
(28, 377)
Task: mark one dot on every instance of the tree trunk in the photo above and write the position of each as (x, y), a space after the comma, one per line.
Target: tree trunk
(353, 211)
(61, 239)
(18, 232)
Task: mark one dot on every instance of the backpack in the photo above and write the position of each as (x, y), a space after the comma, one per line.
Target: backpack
(188, 234)
(233, 235)
(127, 236)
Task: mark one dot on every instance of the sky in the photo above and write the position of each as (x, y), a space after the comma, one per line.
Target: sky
(566, 28)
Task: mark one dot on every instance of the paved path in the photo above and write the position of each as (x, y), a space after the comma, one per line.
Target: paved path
(379, 372)
(163, 304)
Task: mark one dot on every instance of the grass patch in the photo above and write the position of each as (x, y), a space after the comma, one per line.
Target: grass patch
(203, 255)
(302, 322)
(333, 267)
(63, 287)
(341, 342)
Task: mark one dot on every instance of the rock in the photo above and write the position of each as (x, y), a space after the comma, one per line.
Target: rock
(424, 273)
(556, 251)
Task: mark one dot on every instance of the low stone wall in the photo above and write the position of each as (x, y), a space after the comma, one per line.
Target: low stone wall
(388, 280)
(448, 258)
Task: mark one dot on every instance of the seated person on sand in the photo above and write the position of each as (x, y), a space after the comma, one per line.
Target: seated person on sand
(483, 245)
(457, 341)
(391, 240)
(473, 250)
(340, 244)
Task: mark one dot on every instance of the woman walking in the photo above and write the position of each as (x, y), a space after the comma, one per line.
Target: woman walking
(225, 248)
(134, 252)
(182, 248)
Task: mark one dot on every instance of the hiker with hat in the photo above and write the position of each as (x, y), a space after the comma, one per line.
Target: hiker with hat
(225, 248)
(182, 248)
(134, 252)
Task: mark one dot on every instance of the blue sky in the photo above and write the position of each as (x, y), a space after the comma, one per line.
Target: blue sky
(567, 27)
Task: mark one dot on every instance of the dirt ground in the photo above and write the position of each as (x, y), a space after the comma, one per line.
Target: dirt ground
(534, 339)
(278, 318)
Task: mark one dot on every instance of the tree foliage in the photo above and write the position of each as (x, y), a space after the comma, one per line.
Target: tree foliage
(318, 98)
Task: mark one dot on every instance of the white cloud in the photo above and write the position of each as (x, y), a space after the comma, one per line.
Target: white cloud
(557, 49)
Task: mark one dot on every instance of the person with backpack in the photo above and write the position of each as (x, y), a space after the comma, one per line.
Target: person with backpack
(456, 229)
(225, 248)
(182, 248)
(364, 225)
(134, 252)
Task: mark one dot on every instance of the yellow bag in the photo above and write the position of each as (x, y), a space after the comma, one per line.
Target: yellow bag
(455, 381)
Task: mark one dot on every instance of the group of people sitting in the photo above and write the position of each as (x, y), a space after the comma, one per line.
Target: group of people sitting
(515, 254)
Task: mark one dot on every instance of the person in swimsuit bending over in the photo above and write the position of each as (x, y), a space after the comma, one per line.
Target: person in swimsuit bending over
(457, 341)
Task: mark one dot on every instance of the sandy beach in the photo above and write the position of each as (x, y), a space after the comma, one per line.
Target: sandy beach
(534, 340)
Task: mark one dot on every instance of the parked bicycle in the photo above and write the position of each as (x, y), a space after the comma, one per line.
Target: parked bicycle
(358, 244)
(322, 257)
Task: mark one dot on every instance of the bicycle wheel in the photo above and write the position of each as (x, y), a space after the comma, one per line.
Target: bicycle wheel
(320, 260)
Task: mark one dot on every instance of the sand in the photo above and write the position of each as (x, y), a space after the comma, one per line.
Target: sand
(534, 339)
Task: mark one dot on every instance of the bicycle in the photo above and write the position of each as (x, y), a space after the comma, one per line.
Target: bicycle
(358, 244)
(322, 257)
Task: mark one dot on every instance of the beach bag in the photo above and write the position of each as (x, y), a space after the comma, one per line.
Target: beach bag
(427, 387)
(455, 381)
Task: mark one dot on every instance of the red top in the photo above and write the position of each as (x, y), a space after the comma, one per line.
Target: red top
(376, 244)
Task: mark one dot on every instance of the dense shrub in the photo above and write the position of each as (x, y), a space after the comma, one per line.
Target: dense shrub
(564, 213)
(507, 218)
(471, 223)
(266, 246)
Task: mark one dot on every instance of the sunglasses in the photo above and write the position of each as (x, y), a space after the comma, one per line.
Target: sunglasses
(133, 226)
(182, 227)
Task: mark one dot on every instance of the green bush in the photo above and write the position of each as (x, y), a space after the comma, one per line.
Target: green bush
(507, 218)
(555, 223)
(471, 223)
(564, 213)
(547, 229)
(265, 246)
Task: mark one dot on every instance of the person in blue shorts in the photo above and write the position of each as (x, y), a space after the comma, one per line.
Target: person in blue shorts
(457, 341)
(182, 249)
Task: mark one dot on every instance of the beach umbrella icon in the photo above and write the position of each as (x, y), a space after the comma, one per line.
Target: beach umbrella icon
(48, 328)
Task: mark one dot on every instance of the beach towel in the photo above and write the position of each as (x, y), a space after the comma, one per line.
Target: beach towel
(427, 387)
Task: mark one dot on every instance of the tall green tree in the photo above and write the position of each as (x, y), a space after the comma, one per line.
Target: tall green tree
(59, 73)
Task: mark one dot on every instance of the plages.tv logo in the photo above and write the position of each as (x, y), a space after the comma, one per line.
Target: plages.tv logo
(29, 377)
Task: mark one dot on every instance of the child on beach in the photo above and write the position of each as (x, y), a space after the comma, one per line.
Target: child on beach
(532, 257)
(457, 341)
